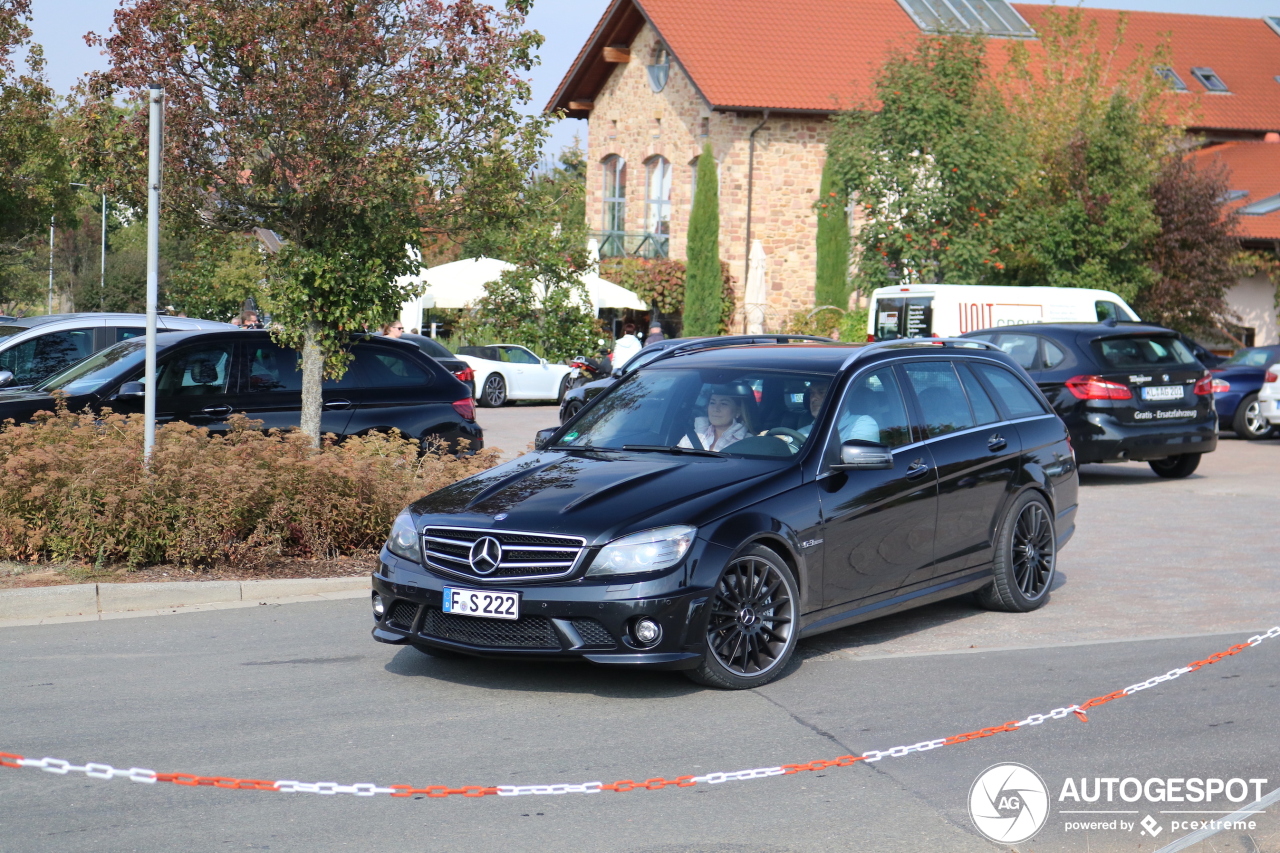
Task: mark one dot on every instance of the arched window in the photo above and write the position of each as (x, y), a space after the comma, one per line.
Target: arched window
(657, 205)
(615, 206)
(660, 70)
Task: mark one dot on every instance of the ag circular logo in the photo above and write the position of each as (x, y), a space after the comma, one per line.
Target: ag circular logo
(1009, 803)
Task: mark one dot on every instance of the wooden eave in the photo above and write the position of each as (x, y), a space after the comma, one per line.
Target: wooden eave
(619, 25)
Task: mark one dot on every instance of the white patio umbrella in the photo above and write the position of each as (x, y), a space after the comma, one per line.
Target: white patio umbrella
(456, 284)
(604, 293)
(755, 300)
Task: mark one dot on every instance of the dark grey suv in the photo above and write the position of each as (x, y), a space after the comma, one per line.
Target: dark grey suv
(721, 503)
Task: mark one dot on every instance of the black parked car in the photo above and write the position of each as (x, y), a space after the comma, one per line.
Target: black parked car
(444, 358)
(205, 377)
(698, 517)
(576, 398)
(1126, 391)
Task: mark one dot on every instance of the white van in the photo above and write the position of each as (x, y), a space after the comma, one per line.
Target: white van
(949, 310)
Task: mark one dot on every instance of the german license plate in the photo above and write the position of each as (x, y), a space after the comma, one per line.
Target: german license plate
(482, 603)
(1162, 392)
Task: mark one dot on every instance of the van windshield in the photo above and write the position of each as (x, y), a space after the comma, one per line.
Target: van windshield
(903, 317)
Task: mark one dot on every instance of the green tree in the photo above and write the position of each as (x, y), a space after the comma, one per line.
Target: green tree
(931, 169)
(35, 183)
(832, 281)
(703, 278)
(351, 128)
(220, 273)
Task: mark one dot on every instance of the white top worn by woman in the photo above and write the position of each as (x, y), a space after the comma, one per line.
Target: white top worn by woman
(707, 435)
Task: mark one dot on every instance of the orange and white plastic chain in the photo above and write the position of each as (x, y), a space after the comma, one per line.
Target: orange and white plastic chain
(150, 777)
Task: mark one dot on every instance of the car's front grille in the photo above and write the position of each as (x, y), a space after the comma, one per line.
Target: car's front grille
(529, 632)
(519, 555)
(402, 614)
(594, 634)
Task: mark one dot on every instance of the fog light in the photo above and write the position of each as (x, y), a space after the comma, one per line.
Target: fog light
(647, 632)
(379, 606)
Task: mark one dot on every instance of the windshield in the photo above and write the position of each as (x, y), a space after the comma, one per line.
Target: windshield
(738, 412)
(1142, 352)
(6, 331)
(85, 377)
(1260, 357)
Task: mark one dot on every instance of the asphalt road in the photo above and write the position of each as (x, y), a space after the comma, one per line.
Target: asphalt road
(1160, 574)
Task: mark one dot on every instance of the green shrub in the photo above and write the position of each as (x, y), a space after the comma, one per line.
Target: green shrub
(72, 488)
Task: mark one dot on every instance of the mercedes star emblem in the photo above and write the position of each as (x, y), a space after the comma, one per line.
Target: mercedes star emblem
(486, 554)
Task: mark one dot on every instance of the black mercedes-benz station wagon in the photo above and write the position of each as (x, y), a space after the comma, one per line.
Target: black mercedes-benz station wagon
(723, 502)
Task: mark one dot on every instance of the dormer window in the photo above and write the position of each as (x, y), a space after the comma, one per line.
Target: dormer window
(1171, 77)
(660, 70)
(1209, 79)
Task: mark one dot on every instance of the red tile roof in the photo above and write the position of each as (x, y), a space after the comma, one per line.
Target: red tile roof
(1253, 166)
(823, 55)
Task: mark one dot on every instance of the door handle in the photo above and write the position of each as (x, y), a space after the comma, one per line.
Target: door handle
(338, 404)
(917, 469)
(216, 411)
(996, 442)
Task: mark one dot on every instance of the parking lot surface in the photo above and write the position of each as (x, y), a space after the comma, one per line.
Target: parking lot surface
(1160, 573)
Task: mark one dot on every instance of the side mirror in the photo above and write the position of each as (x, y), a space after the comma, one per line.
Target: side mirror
(542, 361)
(856, 454)
(618, 372)
(131, 391)
(6, 378)
(543, 438)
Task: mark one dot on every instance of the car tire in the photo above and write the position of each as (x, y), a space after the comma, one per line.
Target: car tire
(565, 384)
(570, 410)
(1176, 467)
(754, 622)
(494, 393)
(1249, 423)
(1025, 558)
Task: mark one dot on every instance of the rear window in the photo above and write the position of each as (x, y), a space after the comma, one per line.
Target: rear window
(1253, 358)
(1139, 352)
(431, 347)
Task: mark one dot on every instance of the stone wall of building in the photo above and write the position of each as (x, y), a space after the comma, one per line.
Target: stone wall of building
(631, 120)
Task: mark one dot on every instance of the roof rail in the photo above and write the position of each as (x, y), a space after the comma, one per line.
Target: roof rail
(967, 343)
(738, 340)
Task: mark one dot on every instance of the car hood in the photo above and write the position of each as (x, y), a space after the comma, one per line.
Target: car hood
(599, 495)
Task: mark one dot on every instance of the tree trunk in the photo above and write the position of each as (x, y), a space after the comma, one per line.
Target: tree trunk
(312, 379)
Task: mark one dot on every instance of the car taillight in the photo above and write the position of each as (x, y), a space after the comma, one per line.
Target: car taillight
(1271, 377)
(465, 375)
(871, 339)
(466, 408)
(1097, 388)
(1204, 386)
(1219, 386)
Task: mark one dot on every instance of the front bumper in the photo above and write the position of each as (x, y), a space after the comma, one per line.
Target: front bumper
(1102, 438)
(570, 620)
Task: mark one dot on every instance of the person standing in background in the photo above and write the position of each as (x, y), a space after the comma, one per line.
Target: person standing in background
(655, 334)
(625, 347)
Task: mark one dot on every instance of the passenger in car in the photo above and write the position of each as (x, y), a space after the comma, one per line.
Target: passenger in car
(727, 421)
(853, 425)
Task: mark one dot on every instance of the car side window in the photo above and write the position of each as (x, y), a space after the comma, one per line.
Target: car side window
(196, 372)
(983, 409)
(123, 333)
(519, 355)
(383, 368)
(38, 358)
(942, 401)
(273, 368)
(872, 410)
(1024, 349)
(1053, 355)
(1016, 396)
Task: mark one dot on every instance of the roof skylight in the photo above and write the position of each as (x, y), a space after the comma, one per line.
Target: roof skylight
(1171, 77)
(1260, 208)
(990, 17)
(1234, 195)
(1209, 79)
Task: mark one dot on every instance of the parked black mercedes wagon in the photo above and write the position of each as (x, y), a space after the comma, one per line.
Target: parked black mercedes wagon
(722, 502)
(203, 378)
(1126, 391)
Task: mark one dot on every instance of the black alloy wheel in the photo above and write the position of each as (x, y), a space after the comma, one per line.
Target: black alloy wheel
(570, 409)
(495, 391)
(752, 630)
(1248, 422)
(1025, 558)
(1176, 467)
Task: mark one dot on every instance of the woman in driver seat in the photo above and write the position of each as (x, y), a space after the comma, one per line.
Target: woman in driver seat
(726, 421)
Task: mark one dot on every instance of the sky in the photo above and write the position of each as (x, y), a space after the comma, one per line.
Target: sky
(60, 25)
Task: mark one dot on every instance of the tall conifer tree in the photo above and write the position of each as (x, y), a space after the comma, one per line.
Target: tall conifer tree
(832, 285)
(703, 279)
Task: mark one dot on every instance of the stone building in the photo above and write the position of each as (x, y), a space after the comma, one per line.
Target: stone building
(758, 80)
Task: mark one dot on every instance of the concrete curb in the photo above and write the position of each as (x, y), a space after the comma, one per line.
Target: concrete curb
(89, 601)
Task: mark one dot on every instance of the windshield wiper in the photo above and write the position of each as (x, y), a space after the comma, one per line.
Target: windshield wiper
(662, 448)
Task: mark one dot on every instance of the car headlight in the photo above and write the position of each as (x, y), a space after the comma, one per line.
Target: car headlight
(404, 541)
(646, 551)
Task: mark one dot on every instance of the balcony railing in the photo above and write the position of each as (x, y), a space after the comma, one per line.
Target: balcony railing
(632, 244)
